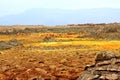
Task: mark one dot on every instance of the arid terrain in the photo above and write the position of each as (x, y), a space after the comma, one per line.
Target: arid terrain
(29, 52)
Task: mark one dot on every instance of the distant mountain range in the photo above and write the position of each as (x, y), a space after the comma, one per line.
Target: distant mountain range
(62, 16)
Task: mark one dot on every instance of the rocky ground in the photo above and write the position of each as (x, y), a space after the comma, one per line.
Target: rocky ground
(23, 58)
(26, 64)
(106, 67)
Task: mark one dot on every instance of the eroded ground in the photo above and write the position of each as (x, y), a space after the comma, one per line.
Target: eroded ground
(52, 56)
(26, 63)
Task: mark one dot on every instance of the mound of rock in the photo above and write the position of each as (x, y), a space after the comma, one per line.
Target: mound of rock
(9, 44)
(106, 67)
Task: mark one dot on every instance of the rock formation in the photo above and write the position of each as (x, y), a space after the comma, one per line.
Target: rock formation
(9, 44)
(106, 67)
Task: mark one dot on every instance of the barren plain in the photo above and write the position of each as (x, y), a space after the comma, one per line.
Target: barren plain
(53, 53)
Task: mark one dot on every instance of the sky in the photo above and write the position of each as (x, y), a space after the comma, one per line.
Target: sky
(8, 7)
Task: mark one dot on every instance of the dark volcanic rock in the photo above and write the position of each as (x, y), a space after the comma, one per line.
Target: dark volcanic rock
(106, 67)
(9, 44)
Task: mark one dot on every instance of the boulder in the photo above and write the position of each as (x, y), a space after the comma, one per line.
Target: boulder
(9, 44)
(106, 67)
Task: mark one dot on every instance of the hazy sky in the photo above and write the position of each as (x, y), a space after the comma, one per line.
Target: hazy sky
(18, 6)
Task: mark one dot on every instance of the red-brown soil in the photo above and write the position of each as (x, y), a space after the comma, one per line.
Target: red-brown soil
(26, 63)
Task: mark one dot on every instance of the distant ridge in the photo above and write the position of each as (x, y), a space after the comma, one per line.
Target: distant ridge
(62, 17)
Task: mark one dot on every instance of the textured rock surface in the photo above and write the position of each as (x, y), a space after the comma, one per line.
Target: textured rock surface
(9, 44)
(106, 67)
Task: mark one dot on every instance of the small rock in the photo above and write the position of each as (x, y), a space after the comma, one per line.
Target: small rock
(36, 78)
(4, 68)
(42, 71)
(32, 60)
(52, 67)
(63, 61)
